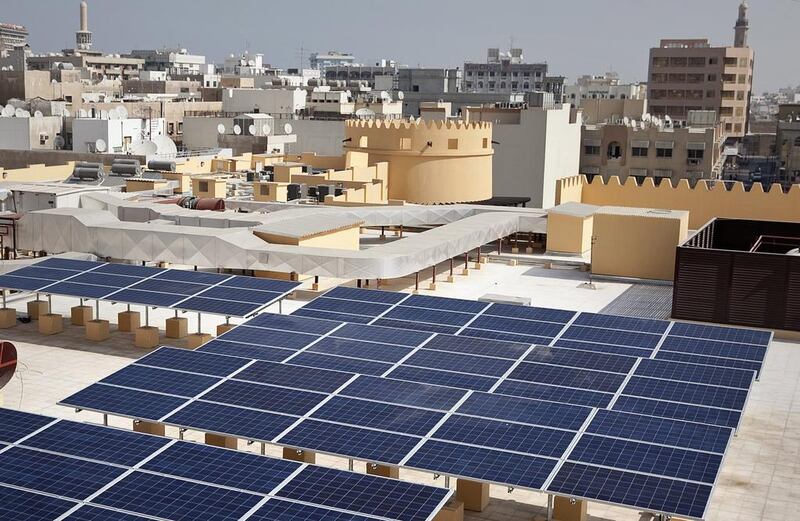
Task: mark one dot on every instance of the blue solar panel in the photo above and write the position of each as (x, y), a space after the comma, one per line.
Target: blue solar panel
(260, 284)
(431, 316)
(338, 363)
(20, 505)
(404, 393)
(364, 494)
(16, 424)
(366, 295)
(477, 346)
(68, 264)
(581, 359)
(567, 376)
(22, 283)
(363, 413)
(36, 272)
(241, 295)
(515, 325)
(689, 435)
(715, 361)
(349, 307)
(539, 441)
(273, 338)
(502, 335)
(277, 510)
(612, 336)
(172, 498)
(169, 286)
(92, 513)
(292, 323)
(192, 361)
(160, 380)
(627, 488)
(140, 405)
(326, 315)
(228, 468)
(535, 412)
(554, 393)
(128, 269)
(642, 325)
(150, 298)
(79, 290)
(725, 334)
(196, 277)
(559, 316)
(447, 304)
(603, 348)
(264, 397)
(480, 365)
(356, 349)
(714, 348)
(242, 423)
(298, 377)
(105, 279)
(375, 446)
(84, 440)
(418, 326)
(446, 378)
(482, 464)
(678, 411)
(386, 335)
(270, 354)
(698, 394)
(648, 458)
(54, 474)
(218, 307)
(693, 373)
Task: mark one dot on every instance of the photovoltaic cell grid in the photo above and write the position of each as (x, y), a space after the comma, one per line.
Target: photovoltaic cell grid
(229, 295)
(481, 408)
(54, 468)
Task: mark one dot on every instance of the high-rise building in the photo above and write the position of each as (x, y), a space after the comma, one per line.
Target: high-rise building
(507, 72)
(12, 35)
(690, 74)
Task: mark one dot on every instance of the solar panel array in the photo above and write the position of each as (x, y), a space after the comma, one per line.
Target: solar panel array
(582, 406)
(58, 469)
(229, 295)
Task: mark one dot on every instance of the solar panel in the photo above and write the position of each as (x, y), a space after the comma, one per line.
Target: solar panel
(698, 394)
(327, 315)
(15, 424)
(335, 305)
(105, 279)
(689, 373)
(581, 359)
(480, 365)
(567, 376)
(219, 307)
(366, 295)
(150, 298)
(418, 326)
(307, 378)
(270, 354)
(196, 362)
(678, 411)
(292, 323)
(243, 423)
(554, 393)
(448, 304)
(714, 348)
(477, 346)
(128, 269)
(269, 337)
(603, 348)
(386, 335)
(196, 277)
(709, 360)
(534, 412)
(68, 264)
(643, 325)
(612, 336)
(404, 393)
(169, 286)
(21, 505)
(339, 363)
(260, 284)
(131, 403)
(515, 325)
(73, 289)
(241, 295)
(160, 380)
(502, 335)
(377, 415)
(277, 510)
(264, 397)
(445, 378)
(627, 488)
(356, 349)
(22, 283)
(431, 316)
(91, 513)
(38, 272)
(725, 334)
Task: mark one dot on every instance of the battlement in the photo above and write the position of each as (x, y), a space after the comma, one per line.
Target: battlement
(408, 124)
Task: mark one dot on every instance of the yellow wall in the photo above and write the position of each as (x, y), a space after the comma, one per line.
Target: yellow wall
(142, 185)
(216, 187)
(703, 202)
(347, 239)
(638, 246)
(568, 233)
(278, 192)
(38, 173)
(455, 167)
(195, 165)
(184, 181)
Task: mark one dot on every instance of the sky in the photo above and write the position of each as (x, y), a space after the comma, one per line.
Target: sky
(575, 38)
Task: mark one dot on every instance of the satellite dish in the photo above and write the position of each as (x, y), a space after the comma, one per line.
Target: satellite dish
(82, 113)
(365, 113)
(251, 130)
(145, 148)
(165, 146)
(7, 111)
(123, 112)
(266, 129)
(113, 114)
(384, 95)
(625, 121)
(220, 129)
(100, 145)
(401, 95)
(19, 113)
(287, 128)
(59, 142)
(8, 362)
(237, 129)
(38, 114)
(647, 117)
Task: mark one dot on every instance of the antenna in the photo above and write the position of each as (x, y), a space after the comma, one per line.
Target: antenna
(100, 145)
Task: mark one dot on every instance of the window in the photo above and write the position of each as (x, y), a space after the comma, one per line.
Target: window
(710, 94)
(263, 189)
(737, 127)
(713, 61)
(363, 142)
(171, 128)
(797, 141)
(591, 150)
(43, 139)
(663, 152)
(639, 151)
(740, 95)
(712, 77)
(486, 142)
(204, 186)
(405, 143)
(452, 144)
(415, 88)
(614, 150)
(695, 154)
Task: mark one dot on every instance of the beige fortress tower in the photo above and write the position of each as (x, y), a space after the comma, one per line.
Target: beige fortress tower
(430, 162)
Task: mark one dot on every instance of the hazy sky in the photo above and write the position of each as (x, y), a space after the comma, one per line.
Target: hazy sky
(577, 37)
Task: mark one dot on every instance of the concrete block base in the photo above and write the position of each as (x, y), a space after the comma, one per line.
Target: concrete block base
(474, 494)
(8, 318)
(128, 321)
(314, 287)
(222, 441)
(224, 328)
(478, 264)
(451, 278)
(303, 456)
(452, 511)
(146, 337)
(432, 286)
(465, 272)
(97, 330)
(51, 324)
(564, 509)
(177, 327)
(195, 340)
(528, 250)
(383, 471)
(80, 315)
(514, 249)
(37, 308)
(149, 428)
(513, 262)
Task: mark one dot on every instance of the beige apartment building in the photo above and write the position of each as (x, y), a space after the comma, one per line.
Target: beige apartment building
(690, 74)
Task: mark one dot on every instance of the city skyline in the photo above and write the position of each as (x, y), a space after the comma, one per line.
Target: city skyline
(545, 32)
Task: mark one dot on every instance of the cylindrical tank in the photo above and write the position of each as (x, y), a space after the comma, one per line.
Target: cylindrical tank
(127, 161)
(164, 166)
(87, 173)
(126, 169)
(210, 203)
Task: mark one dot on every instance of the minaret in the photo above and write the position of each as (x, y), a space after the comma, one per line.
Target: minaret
(83, 38)
(742, 26)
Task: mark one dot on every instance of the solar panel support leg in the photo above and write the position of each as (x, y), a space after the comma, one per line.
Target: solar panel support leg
(416, 282)
(350, 465)
(447, 482)
(432, 285)
(105, 420)
(549, 507)
(451, 278)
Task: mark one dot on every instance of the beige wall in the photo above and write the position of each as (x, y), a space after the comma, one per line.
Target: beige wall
(38, 173)
(347, 239)
(568, 233)
(216, 187)
(602, 110)
(638, 246)
(142, 185)
(703, 202)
